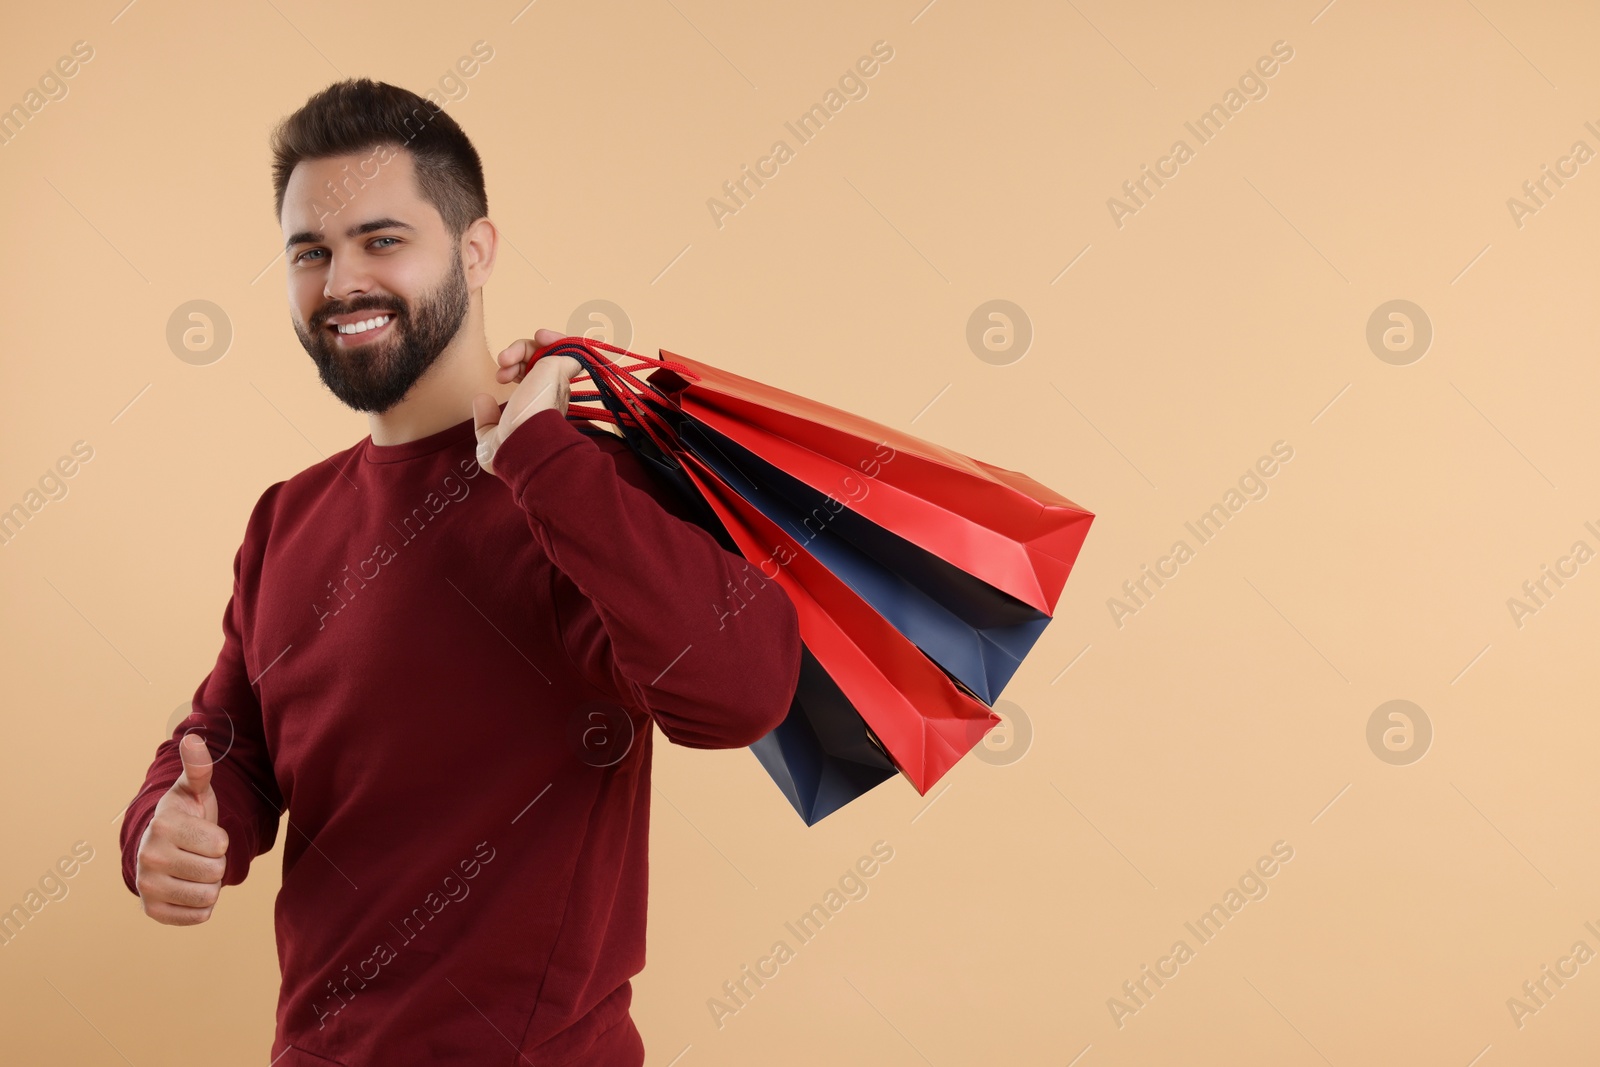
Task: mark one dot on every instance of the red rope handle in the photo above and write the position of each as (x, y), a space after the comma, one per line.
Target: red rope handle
(653, 361)
(622, 384)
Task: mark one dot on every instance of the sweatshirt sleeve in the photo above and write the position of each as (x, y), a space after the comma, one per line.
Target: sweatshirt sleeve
(226, 712)
(650, 605)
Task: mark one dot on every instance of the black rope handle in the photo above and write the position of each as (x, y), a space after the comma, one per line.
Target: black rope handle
(635, 437)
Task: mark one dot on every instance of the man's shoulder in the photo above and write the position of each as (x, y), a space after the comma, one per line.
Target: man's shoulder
(298, 492)
(314, 479)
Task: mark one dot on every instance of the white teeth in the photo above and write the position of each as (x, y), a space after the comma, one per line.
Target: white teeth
(363, 327)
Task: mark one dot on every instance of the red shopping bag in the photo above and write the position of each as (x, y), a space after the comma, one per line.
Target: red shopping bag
(922, 720)
(998, 525)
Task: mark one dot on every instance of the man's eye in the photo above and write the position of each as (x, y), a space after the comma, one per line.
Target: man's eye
(375, 244)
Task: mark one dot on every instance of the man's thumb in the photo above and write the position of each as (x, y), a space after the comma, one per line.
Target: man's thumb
(486, 415)
(196, 765)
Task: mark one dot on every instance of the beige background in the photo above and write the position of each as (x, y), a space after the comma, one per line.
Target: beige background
(1228, 313)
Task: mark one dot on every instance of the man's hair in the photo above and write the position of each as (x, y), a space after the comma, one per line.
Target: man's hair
(358, 115)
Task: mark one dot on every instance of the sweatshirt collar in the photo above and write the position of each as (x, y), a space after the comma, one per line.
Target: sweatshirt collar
(460, 433)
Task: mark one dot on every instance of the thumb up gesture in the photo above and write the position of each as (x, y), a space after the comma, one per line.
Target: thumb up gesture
(183, 854)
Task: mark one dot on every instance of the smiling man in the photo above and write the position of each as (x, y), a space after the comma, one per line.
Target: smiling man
(445, 649)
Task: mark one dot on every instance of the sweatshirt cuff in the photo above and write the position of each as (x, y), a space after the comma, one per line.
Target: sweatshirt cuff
(530, 447)
(134, 822)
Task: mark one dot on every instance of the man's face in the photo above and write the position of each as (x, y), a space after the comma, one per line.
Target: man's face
(377, 251)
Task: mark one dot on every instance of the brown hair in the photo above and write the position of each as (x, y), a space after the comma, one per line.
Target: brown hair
(357, 115)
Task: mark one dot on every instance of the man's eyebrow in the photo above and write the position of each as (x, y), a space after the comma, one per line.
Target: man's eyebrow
(308, 237)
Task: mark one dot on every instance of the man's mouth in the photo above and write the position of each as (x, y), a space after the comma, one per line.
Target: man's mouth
(356, 333)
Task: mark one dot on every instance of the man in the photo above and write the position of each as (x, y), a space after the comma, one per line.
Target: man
(448, 678)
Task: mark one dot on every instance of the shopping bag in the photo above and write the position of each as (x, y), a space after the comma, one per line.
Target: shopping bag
(915, 712)
(999, 525)
(821, 756)
(940, 536)
(977, 633)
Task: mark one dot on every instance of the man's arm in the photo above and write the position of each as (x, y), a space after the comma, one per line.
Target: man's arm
(687, 631)
(227, 715)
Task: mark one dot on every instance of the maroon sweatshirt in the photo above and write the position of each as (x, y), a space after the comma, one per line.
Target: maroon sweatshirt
(444, 683)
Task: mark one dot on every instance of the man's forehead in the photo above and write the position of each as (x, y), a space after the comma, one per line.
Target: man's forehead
(334, 194)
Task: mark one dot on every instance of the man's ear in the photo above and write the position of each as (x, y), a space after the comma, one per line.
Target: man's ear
(479, 242)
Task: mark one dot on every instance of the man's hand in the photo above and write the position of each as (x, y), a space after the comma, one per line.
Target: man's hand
(183, 854)
(549, 385)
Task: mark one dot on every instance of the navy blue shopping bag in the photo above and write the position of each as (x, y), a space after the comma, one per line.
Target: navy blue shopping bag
(821, 756)
(976, 633)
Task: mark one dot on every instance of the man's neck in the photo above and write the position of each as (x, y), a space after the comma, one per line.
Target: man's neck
(443, 396)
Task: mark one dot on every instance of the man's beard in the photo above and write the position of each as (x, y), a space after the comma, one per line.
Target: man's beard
(375, 376)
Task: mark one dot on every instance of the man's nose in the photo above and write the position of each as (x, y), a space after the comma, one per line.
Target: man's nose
(346, 279)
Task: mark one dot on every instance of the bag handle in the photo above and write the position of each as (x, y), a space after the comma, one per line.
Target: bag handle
(619, 390)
